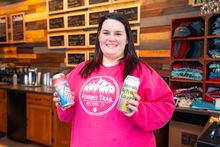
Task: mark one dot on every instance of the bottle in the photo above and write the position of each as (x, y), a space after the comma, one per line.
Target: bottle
(15, 79)
(63, 91)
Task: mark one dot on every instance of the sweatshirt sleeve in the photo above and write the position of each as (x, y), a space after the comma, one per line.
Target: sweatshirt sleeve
(156, 105)
(65, 115)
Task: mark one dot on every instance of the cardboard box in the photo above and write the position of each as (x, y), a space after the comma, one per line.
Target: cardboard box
(183, 134)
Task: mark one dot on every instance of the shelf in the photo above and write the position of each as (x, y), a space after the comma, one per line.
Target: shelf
(195, 111)
(188, 60)
(184, 80)
(213, 36)
(190, 38)
(203, 45)
(212, 59)
(212, 82)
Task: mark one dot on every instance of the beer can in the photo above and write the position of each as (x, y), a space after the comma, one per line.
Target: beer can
(63, 90)
(130, 86)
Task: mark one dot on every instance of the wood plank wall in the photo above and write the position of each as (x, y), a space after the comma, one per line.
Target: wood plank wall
(156, 17)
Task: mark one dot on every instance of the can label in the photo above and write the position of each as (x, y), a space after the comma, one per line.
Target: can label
(63, 91)
(130, 86)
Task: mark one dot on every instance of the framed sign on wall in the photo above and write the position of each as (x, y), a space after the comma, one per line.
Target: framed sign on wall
(90, 54)
(92, 38)
(123, 1)
(136, 35)
(77, 40)
(96, 3)
(73, 58)
(95, 15)
(132, 12)
(56, 23)
(17, 27)
(55, 6)
(3, 29)
(76, 4)
(76, 20)
(57, 41)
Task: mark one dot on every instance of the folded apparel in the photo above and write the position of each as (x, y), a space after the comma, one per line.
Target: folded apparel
(200, 104)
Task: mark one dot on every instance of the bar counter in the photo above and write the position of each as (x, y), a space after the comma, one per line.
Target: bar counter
(20, 87)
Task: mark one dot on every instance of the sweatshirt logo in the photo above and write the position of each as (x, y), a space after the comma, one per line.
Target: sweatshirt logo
(99, 95)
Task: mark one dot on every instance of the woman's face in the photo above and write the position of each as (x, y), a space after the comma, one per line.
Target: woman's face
(112, 39)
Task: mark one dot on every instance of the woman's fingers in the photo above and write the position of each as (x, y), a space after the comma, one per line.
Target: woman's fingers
(136, 96)
(133, 104)
(56, 99)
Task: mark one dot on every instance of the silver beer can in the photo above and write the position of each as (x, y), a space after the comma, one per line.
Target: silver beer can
(130, 86)
(63, 90)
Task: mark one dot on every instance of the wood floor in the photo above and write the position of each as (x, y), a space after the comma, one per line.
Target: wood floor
(6, 142)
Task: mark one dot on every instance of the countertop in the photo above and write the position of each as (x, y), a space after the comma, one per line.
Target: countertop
(20, 87)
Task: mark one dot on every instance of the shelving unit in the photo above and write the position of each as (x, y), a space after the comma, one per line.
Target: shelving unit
(202, 58)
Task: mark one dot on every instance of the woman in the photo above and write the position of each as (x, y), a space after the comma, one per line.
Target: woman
(96, 84)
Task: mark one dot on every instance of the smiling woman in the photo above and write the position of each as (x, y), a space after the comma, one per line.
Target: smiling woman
(97, 86)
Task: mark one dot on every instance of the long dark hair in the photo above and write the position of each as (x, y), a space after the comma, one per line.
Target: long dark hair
(130, 57)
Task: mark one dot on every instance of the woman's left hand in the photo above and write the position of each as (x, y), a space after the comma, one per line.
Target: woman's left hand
(133, 104)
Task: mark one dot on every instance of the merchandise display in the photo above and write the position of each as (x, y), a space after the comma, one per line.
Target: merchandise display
(195, 60)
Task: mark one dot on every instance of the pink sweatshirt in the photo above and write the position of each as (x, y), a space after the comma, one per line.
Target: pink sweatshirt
(96, 121)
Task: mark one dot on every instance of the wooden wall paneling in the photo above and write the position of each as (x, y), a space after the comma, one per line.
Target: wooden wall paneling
(154, 53)
(24, 52)
(37, 7)
(166, 7)
(158, 40)
(138, 52)
(41, 50)
(36, 16)
(165, 28)
(36, 36)
(10, 52)
(160, 64)
(41, 9)
(50, 58)
(25, 56)
(13, 8)
(163, 20)
(155, 38)
(34, 2)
